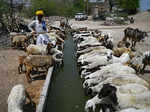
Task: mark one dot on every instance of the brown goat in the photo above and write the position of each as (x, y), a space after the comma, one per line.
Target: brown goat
(21, 63)
(119, 51)
(61, 34)
(20, 41)
(39, 49)
(37, 61)
(134, 36)
(123, 44)
(136, 63)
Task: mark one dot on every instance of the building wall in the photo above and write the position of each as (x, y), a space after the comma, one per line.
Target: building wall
(102, 7)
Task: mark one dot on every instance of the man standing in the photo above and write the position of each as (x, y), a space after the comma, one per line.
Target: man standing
(38, 26)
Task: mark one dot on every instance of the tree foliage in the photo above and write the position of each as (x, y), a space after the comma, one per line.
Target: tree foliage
(4, 10)
(56, 7)
(129, 5)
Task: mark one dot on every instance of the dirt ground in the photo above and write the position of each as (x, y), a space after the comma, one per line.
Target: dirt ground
(9, 77)
(9, 59)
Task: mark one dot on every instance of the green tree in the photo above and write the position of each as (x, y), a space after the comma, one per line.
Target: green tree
(56, 7)
(4, 10)
(79, 5)
(129, 5)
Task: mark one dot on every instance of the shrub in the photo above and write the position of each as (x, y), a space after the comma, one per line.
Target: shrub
(130, 6)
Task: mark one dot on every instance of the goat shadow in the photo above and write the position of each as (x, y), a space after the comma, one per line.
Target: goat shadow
(29, 107)
(39, 77)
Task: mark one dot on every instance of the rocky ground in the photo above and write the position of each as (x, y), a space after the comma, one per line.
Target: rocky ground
(9, 58)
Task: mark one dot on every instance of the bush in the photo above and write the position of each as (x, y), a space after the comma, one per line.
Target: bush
(148, 10)
(130, 6)
(119, 21)
(56, 7)
(4, 10)
(124, 15)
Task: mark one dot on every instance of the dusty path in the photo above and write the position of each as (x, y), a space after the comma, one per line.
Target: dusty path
(9, 77)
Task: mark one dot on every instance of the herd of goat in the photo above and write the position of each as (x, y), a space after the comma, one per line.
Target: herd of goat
(134, 35)
(38, 58)
(110, 73)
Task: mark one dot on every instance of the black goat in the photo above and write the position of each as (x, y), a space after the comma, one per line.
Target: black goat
(146, 60)
(134, 35)
(109, 98)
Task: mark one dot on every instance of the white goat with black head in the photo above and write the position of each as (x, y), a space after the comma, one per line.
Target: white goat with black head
(94, 81)
(115, 68)
(103, 60)
(112, 99)
(119, 81)
(107, 90)
(124, 58)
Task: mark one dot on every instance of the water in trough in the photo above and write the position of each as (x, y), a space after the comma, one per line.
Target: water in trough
(65, 92)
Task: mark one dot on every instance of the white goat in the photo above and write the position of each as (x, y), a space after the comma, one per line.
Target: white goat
(102, 59)
(124, 58)
(17, 98)
(126, 90)
(119, 81)
(90, 82)
(134, 88)
(105, 60)
(41, 49)
(100, 50)
(82, 35)
(94, 81)
(92, 103)
(89, 49)
(134, 110)
(37, 49)
(140, 101)
(115, 68)
(89, 40)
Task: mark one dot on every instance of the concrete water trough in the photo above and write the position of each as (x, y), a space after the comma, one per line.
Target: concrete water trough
(44, 92)
(63, 90)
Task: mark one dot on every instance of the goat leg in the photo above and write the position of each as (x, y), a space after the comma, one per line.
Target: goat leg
(20, 68)
(143, 68)
(28, 74)
(30, 100)
(134, 44)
